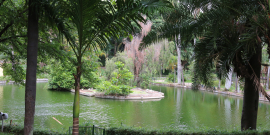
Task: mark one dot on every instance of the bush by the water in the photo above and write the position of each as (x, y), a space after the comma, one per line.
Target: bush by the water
(171, 78)
(109, 89)
(142, 131)
(146, 79)
(18, 130)
(61, 74)
(123, 130)
(119, 82)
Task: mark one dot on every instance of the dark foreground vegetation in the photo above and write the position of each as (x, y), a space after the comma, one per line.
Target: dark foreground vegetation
(123, 130)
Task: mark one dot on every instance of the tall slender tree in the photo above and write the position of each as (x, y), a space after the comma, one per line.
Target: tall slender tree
(30, 86)
(37, 9)
(95, 22)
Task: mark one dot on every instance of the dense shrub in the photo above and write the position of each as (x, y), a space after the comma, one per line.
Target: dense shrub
(145, 80)
(110, 89)
(15, 73)
(119, 81)
(123, 130)
(61, 74)
(142, 131)
(171, 78)
(111, 67)
(121, 76)
(18, 130)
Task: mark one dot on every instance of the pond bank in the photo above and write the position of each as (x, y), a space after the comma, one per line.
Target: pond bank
(12, 82)
(137, 94)
(188, 85)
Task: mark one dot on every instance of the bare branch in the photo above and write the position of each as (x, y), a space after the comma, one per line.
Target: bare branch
(257, 84)
(5, 29)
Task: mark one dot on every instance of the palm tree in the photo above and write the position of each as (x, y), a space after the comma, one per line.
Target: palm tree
(232, 33)
(95, 22)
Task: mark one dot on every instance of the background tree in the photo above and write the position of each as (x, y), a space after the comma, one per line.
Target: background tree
(175, 19)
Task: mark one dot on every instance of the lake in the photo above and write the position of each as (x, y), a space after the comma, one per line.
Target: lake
(180, 109)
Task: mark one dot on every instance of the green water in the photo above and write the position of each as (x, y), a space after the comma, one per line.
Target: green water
(180, 109)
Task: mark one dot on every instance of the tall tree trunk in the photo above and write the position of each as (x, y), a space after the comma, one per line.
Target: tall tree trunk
(267, 79)
(251, 95)
(183, 79)
(174, 76)
(76, 104)
(30, 86)
(179, 67)
(236, 83)
(219, 81)
(115, 47)
(228, 82)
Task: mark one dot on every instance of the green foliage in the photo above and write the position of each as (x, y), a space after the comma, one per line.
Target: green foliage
(61, 74)
(152, 64)
(122, 75)
(17, 72)
(18, 130)
(143, 131)
(119, 81)
(109, 89)
(146, 80)
(171, 78)
(111, 67)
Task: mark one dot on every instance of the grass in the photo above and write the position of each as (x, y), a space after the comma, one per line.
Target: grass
(188, 81)
(138, 92)
(43, 76)
(162, 82)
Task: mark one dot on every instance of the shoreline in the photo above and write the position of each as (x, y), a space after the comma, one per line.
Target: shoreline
(229, 93)
(12, 82)
(138, 94)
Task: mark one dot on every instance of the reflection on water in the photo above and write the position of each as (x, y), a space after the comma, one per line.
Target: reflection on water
(180, 109)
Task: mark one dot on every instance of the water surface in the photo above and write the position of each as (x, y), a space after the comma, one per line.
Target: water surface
(180, 109)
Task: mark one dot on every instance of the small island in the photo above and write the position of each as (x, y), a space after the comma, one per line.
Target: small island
(136, 94)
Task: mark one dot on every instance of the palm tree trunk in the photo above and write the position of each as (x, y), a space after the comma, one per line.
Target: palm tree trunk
(115, 47)
(179, 67)
(219, 82)
(236, 84)
(251, 95)
(30, 86)
(267, 82)
(76, 104)
(183, 79)
(228, 82)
